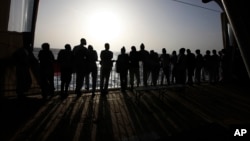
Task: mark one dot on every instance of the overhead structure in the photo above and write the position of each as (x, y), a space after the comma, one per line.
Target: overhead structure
(236, 15)
(17, 25)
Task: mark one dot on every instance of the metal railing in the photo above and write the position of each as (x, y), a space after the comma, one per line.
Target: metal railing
(114, 81)
(8, 85)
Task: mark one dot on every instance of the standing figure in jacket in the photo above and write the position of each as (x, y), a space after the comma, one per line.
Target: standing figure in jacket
(181, 67)
(165, 65)
(134, 59)
(46, 59)
(80, 54)
(92, 68)
(122, 66)
(144, 58)
(65, 60)
(106, 67)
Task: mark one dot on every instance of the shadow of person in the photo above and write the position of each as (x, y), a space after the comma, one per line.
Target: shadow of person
(104, 121)
(15, 113)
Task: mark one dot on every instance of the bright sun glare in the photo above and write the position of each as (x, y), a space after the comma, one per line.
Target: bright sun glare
(104, 26)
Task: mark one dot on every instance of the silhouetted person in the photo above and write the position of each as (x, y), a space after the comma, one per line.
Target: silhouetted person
(46, 59)
(154, 66)
(65, 60)
(144, 57)
(199, 62)
(134, 72)
(173, 60)
(220, 68)
(34, 64)
(165, 65)
(106, 66)
(215, 64)
(92, 68)
(181, 67)
(207, 65)
(190, 66)
(80, 54)
(23, 77)
(122, 66)
(225, 65)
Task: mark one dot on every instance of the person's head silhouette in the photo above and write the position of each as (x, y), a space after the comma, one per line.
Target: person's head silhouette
(67, 47)
(90, 47)
(133, 48)
(45, 46)
(198, 51)
(164, 51)
(83, 41)
(142, 47)
(106, 46)
(123, 50)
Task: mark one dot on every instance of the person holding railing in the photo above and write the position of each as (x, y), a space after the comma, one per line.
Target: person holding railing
(65, 60)
(165, 66)
(92, 69)
(207, 66)
(190, 66)
(144, 57)
(80, 54)
(199, 62)
(46, 58)
(23, 76)
(154, 67)
(134, 59)
(122, 65)
(173, 60)
(215, 64)
(181, 67)
(106, 66)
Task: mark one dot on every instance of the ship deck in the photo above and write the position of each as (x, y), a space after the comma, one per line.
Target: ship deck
(200, 111)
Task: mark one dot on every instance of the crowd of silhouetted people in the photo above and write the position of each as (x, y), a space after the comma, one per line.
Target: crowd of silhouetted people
(185, 68)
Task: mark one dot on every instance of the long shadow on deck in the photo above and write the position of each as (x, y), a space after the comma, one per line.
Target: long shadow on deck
(203, 112)
(160, 120)
(15, 113)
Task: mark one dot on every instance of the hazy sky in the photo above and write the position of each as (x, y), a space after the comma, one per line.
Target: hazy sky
(156, 23)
